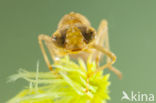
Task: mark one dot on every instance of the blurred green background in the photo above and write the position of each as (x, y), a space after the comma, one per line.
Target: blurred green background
(132, 32)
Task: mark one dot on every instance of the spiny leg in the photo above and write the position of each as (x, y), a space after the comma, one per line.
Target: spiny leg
(104, 24)
(101, 40)
(108, 64)
(102, 44)
(49, 44)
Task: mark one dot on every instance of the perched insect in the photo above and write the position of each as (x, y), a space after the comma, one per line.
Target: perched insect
(75, 37)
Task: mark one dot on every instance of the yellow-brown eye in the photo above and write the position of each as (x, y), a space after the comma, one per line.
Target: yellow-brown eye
(59, 40)
(88, 34)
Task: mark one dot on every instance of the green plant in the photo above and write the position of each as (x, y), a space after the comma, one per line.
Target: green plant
(68, 83)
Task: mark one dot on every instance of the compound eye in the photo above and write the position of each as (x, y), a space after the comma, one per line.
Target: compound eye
(63, 32)
(88, 34)
(59, 39)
